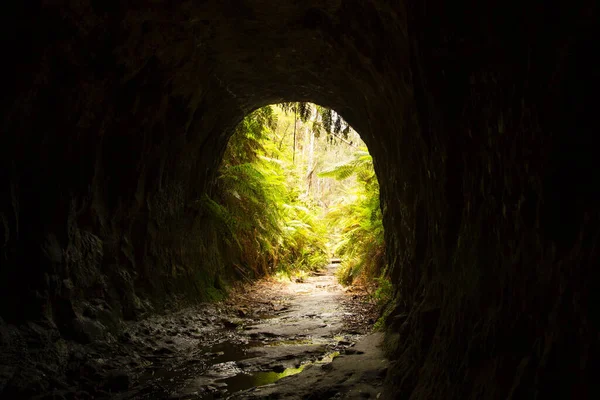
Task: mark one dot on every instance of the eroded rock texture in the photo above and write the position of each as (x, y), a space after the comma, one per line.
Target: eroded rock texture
(479, 117)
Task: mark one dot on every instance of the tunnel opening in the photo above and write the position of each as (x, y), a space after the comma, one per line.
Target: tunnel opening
(296, 190)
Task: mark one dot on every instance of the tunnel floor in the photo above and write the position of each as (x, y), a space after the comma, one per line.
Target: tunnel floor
(271, 337)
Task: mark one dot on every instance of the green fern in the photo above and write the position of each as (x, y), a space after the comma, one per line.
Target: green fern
(256, 208)
(358, 215)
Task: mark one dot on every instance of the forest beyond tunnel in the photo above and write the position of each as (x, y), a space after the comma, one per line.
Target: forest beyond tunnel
(480, 121)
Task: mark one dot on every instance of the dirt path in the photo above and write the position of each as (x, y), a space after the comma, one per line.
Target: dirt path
(306, 339)
(314, 323)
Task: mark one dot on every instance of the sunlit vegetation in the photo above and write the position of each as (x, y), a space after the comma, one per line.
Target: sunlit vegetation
(295, 188)
(356, 216)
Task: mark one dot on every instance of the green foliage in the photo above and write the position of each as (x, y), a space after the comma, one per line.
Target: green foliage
(385, 313)
(358, 215)
(276, 208)
(263, 224)
(384, 292)
(321, 119)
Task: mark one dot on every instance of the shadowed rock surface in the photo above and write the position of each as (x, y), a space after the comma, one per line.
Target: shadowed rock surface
(480, 120)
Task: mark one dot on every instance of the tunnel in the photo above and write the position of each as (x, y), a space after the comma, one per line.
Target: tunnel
(480, 118)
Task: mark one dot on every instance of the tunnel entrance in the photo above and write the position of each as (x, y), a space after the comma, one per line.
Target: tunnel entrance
(297, 190)
(296, 202)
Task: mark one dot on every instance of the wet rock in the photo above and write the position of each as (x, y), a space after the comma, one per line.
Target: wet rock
(352, 351)
(230, 324)
(327, 367)
(278, 368)
(215, 354)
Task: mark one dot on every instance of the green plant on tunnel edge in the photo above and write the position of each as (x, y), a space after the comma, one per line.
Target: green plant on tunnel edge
(263, 223)
(358, 216)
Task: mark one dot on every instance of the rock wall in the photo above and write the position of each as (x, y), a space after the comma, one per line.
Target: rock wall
(479, 119)
(496, 278)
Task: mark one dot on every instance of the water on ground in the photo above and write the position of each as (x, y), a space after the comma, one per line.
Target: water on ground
(269, 339)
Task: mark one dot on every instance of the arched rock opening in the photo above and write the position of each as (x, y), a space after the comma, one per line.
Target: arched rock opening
(479, 120)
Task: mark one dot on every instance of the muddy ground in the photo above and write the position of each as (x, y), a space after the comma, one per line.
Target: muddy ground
(307, 339)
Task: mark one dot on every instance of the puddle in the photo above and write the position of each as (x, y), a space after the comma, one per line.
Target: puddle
(284, 339)
(328, 358)
(294, 342)
(220, 353)
(245, 381)
(227, 351)
(222, 359)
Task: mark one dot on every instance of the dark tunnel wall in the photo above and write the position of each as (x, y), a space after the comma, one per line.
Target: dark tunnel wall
(480, 120)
